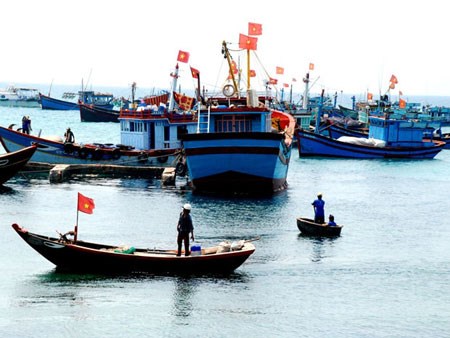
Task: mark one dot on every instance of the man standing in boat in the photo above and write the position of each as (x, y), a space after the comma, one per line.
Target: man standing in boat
(319, 209)
(69, 136)
(185, 227)
(26, 125)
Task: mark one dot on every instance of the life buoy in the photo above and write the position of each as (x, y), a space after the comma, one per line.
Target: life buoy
(163, 159)
(180, 169)
(228, 90)
(115, 154)
(83, 153)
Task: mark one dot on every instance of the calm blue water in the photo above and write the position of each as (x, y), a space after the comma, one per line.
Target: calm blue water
(386, 276)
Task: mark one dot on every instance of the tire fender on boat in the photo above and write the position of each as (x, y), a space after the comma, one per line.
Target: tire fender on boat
(142, 157)
(180, 169)
(83, 153)
(115, 154)
(163, 159)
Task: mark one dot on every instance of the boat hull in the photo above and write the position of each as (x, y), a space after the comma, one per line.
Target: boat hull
(99, 258)
(55, 152)
(310, 228)
(51, 103)
(89, 113)
(237, 162)
(12, 163)
(312, 144)
(20, 103)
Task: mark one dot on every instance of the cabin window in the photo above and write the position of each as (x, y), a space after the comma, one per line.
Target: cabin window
(233, 123)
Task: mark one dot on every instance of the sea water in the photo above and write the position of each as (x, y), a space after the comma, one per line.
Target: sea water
(386, 276)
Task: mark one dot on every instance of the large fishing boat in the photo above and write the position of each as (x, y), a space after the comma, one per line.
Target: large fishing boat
(241, 145)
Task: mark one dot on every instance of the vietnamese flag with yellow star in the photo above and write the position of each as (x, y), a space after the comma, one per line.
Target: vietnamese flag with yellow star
(85, 204)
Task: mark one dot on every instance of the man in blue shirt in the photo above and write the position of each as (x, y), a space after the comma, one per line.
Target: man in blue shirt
(319, 209)
(331, 221)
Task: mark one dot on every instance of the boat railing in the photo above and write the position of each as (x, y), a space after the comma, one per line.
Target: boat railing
(151, 114)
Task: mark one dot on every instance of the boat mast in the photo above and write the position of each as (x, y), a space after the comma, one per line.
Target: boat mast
(174, 87)
(319, 113)
(306, 93)
(228, 57)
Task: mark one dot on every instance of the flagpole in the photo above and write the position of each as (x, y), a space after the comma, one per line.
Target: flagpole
(248, 69)
(76, 226)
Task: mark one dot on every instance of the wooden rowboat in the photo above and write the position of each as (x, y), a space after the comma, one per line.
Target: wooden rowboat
(309, 227)
(11, 163)
(82, 256)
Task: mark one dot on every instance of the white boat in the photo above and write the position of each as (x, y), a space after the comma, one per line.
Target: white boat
(19, 97)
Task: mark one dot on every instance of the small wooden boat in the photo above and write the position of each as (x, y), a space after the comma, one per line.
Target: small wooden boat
(309, 227)
(11, 163)
(82, 256)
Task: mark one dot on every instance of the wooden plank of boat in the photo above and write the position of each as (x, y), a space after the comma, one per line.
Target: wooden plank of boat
(82, 256)
(309, 227)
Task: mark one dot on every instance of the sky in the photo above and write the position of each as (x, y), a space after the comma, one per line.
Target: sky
(355, 46)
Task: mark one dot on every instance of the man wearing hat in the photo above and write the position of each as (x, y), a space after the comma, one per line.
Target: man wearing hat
(184, 228)
(319, 209)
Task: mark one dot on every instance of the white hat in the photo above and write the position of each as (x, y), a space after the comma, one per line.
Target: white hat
(319, 194)
(187, 206)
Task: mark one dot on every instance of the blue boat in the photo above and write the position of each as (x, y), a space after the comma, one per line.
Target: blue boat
(241, 146)
(147, 139)
(388, 138)
(89, 97)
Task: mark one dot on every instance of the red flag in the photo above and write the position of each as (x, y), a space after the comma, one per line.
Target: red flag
(402, 103)
(183, 56)
(183, 101)
(285, 85)
(247, 42)
(311, 66)
(393, 79)
(85, 204)
(195, 73)
(280, 70)
(273, 81)
(252, 73)
(254, 28)
(369, 96)
(392, 85)
(234, 67)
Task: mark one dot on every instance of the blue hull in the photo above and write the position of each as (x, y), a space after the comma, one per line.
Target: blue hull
(311, 144)
(55, 104)
(237, 162)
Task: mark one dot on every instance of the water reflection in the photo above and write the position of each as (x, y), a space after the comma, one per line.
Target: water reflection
(321, 246)
(185, 288)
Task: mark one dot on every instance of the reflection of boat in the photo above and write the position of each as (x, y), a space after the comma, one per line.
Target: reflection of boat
(11, 163)
(19, 97)
(241, 146)
(102, 100)
(92, 113)
(82, 256)
(309, 227)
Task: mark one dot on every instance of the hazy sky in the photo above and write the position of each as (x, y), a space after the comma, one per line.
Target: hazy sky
(355, 45)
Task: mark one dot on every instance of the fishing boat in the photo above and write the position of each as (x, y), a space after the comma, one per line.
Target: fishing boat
(103, 100)
(147, 139)
(241, 145)
(80, 256)
(388, 138)
(309, 227)
(12, 163)
(19, 97)
(92, 113)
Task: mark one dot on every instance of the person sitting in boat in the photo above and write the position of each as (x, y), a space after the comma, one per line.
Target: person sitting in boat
(331, 221)
(69, 136)
(319, 209)
(184, 228)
